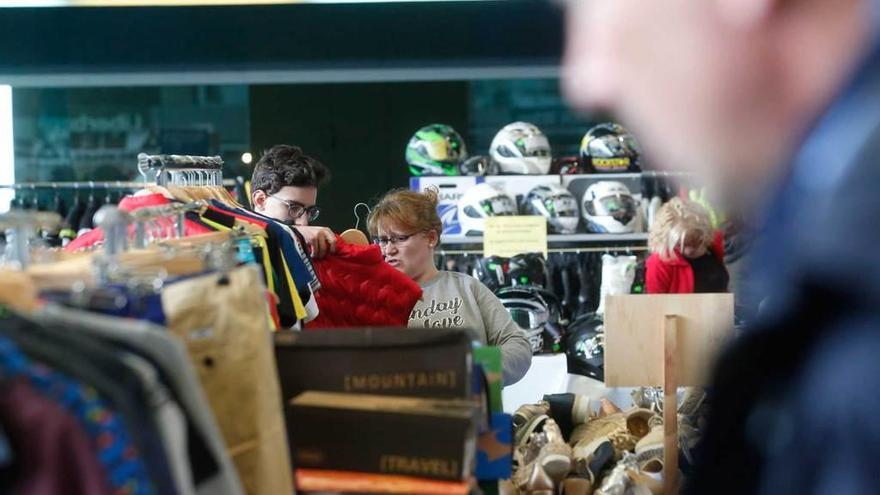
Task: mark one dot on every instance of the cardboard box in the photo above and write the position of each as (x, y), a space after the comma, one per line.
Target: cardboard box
(451, 190)
(409, 362)
(427, 438)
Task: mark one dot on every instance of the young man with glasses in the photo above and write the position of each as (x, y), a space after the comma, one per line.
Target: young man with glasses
(285, 187)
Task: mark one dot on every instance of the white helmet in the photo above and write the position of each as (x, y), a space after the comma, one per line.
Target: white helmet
(479, 203)
(521, 148)
(608, 207)
(556, 204)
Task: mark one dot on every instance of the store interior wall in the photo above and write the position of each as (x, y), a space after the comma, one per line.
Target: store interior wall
(360, 131)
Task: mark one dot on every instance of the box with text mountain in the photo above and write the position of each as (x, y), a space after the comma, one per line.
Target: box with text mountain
(427, 438)
(407, 362)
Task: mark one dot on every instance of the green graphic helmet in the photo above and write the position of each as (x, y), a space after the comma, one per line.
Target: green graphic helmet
(436, 149)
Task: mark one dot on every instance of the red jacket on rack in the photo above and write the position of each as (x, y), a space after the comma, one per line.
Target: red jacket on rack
(95, 236)
(676, 276)
(359, 289)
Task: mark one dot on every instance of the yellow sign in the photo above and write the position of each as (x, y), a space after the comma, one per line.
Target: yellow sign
(509, 236)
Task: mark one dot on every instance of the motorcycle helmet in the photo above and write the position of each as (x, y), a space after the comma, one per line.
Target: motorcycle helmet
(609, 208)
(478, 165)
(531, 308)
(610, 148)
(528, 269)
(436, 149)
(479, 203)
(585, 346)
(521, 148)
(556, 204)
(492, 272)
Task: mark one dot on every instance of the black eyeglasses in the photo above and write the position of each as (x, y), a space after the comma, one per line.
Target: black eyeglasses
(296, 210)
(393, 239)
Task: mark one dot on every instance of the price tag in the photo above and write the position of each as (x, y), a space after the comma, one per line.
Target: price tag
(509, 236)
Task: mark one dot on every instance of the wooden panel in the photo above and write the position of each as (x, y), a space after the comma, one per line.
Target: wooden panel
(634, 336)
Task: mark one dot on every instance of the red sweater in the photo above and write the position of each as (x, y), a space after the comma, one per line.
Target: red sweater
(358, 289)
(676, 276)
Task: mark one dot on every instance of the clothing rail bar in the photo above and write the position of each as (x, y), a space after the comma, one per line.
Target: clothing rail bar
(87, 185)
(179, 162)
(609, 249)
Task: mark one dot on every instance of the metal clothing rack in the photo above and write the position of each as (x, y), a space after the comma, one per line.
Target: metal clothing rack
(604, 249)
(116, 184)
(181, 169)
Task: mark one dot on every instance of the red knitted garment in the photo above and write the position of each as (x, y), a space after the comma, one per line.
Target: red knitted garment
(359, 289)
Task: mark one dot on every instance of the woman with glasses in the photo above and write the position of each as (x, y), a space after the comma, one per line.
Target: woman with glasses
(407, 228)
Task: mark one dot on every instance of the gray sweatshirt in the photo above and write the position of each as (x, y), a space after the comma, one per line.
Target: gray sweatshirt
(455, 300)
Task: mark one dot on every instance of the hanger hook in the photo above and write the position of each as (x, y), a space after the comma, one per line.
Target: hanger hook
(357, 216)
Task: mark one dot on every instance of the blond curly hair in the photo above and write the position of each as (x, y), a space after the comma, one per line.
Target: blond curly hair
(674, 222)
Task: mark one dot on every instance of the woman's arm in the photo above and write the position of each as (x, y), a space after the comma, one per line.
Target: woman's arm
(501, 331)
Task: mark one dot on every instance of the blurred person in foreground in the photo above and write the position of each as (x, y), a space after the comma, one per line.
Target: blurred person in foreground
(776, 103)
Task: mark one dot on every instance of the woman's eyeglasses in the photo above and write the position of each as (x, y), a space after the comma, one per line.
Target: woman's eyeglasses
(395, 240)
(296, 210)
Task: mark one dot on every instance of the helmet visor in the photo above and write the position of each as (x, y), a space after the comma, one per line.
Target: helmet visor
(498, 206)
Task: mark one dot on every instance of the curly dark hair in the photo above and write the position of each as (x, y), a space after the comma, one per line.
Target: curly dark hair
(283, 165)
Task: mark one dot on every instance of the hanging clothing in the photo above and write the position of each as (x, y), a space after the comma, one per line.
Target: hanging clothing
(120, 460)
(359, 289)
(95, 237)
(54, 455)
(210, 465)
(235, 362)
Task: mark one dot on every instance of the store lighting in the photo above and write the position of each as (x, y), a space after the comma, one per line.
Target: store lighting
(247, 158)
(7, 152)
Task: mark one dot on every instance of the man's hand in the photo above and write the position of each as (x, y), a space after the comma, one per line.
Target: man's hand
(321, 240)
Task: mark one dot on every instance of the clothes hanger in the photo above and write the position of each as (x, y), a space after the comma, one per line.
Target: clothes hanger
(356, 236)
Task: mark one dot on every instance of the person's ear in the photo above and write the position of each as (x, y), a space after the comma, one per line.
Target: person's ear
(259, 199)
(433, 238)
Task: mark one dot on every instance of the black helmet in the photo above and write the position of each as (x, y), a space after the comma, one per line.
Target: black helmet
(492, 272)
(478, 165)
(536, 311)
(528, 269)
(610, 148)
(585, 346)
(556, 204)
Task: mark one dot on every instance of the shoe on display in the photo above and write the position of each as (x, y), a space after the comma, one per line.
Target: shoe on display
(692, 405)
(618, 481)
(608, 408)
(531, 423)
(525, 413)
(540, 483)
(638, 422)
(545, 456)
(651, 445)
(576, 485)
(599, 442)
(650, 483)
(555, 456)
(569, 410)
